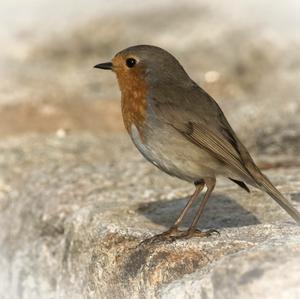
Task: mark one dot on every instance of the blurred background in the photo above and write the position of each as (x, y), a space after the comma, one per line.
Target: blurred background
(245, 55)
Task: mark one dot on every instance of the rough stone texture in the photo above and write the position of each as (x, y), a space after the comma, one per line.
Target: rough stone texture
(269, 269)
(74, 210)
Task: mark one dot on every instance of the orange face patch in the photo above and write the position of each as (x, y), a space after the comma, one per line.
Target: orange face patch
(134, 92)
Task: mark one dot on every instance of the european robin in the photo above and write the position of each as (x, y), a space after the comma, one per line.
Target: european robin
(180, 128)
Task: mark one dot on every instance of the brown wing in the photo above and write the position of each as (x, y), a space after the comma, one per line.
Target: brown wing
(218, 146)
(199, 119)
(192, 112)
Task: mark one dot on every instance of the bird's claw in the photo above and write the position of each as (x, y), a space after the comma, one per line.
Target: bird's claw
(168, 236)
(201, 234)
(174, 234)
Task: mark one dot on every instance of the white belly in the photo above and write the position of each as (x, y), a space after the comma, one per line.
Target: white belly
(175, 155)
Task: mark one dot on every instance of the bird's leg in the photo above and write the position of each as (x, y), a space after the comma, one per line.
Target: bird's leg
(173, 232)
(193, 231)
(199, 187)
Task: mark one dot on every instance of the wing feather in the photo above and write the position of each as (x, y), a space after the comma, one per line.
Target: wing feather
(204, 124)
(217, 146)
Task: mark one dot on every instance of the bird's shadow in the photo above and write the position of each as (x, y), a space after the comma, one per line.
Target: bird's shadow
(221, 211)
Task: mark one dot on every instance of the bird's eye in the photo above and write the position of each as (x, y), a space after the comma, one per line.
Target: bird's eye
(130, 62)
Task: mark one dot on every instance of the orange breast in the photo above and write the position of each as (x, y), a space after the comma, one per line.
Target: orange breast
(134, 99)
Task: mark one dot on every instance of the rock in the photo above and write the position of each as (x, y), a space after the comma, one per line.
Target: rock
(74, 211)
(267, 270)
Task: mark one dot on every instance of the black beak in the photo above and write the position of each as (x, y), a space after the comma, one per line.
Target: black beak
(104, 66)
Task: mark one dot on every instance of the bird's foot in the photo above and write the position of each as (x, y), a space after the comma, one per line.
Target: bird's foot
(199, 234)
(168, 236)
(175, 234)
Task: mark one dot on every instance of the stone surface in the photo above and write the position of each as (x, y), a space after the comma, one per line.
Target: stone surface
(269, 269)
(74, 209)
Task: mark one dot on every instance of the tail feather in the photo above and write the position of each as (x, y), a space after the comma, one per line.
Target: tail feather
(267, 186)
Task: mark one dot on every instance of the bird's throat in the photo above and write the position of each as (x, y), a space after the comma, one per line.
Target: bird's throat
(134, 101)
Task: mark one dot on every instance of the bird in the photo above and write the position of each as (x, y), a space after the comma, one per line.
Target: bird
(178, 127)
